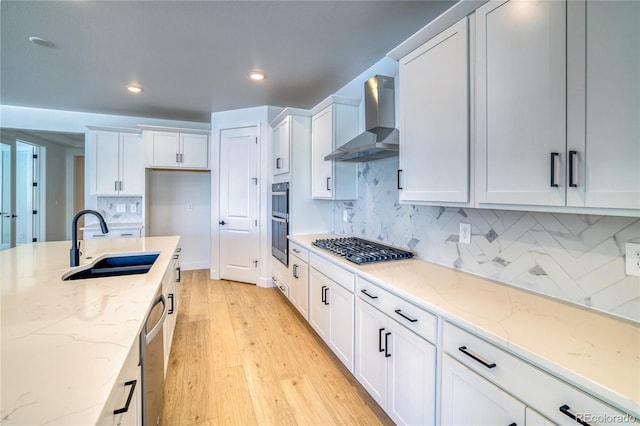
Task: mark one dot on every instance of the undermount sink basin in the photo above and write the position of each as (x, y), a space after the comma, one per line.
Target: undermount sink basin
(114, 265)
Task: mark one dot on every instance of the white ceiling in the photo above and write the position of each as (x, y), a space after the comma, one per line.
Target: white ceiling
(193, 57)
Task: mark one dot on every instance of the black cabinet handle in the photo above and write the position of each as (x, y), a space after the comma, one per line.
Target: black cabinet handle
(179, 273)
(514, 424)
(328, 187)
(124, 409)
(386, 345)
(278, 162)
(295, 271)
(127, 234)
(324, 294)
(170, 297)
(566, 410)
(476, 357)
(399, 171)
(572, 160)
(366, 293)
(380, 348)
(296, 250)
(554, 155)
(405, 316)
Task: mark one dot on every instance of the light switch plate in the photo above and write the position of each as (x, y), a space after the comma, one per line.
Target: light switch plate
(632, 258)
(134, 208)
(121, 208)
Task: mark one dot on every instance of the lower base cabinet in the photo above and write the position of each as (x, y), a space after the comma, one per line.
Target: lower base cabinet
(171, 291)
(396, 367)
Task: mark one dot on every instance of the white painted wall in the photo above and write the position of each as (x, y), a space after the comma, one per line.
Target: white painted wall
(261, 117)
(180, 204)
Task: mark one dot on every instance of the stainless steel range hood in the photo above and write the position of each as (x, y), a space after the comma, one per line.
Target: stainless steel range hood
(381, 139)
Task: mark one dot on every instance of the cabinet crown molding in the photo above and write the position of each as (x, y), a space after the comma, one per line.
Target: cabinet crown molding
(333, 99)
(114, 129)
(287, 112)
(175, 129)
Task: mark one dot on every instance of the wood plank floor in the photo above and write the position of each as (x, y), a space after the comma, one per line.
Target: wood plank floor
(242, 355)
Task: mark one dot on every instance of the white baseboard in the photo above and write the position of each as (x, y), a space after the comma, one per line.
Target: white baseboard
(265, 282)
(191, 266)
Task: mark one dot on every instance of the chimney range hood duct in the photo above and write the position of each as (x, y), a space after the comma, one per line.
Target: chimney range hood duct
(381, 139)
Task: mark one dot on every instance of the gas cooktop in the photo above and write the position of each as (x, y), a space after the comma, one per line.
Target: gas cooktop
(361, 251)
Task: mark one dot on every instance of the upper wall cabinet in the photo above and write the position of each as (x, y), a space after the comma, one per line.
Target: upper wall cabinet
(334, 123)
(604, 104)
(116, 165)
(176, 148)
(521, 102)
(434, 120)
(281, 138)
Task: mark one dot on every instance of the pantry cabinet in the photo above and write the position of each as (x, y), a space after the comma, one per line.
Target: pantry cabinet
(434, 120)
(281, 137)
(116, 164)
(396, 366)
(603, 104)
(521, 102)
(334, 123)
(171, 291)
(176, 148)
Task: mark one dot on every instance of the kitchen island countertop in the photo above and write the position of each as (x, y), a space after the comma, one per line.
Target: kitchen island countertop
(64, 342)
(597, 352)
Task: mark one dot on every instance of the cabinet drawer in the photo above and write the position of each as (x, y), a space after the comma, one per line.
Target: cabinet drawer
(412, 317)
(547, 394)
(113, 233)
(299, 251)
(284, 288)
(341, 276)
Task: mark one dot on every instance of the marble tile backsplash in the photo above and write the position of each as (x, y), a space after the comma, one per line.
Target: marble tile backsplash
(577, 258)
(108, 207)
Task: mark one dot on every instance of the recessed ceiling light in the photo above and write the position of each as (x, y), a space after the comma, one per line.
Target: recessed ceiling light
(41, 42)
(134, 88)
(257, 75)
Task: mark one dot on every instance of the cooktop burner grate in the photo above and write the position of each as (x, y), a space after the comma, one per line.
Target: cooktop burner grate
(361, 251)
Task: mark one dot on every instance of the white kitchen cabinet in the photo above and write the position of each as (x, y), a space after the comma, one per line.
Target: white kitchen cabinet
(552, 398)
(434, 120)
(521, 102)
(178, 149)
(396, 366)
(281, 137)
(604, 104)
(117, 164)
(171, 291)
(299, 279)
(468, 399)
(334, 123)
(533, 418)
(120, 232)
(124, 406)
(331, 310)
(280, 276)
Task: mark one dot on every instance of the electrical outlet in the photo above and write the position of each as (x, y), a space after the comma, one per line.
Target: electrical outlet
(134, 208)
(632, 258)
(345, 215)
(121, 208)
(465, 233)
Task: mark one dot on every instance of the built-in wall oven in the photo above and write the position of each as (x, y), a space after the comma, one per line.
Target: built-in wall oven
(280, 222)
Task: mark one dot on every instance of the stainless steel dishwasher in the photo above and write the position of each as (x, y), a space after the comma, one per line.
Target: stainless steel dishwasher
(152, 361)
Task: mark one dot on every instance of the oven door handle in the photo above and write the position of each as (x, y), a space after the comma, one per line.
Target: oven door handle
(279, 193)
(278, 219)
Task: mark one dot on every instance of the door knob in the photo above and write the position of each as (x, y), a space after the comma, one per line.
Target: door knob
(222, 222)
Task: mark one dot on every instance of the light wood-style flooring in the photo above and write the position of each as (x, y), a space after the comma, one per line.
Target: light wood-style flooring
(242, 355)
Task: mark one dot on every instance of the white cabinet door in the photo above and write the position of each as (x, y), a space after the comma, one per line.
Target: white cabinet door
(331, 128)
(124, 406)
(299, 292)
(194, 151)
(605, 152)
(322, 145)
(105, 163)
(281, 147)
(165, 149)
(371, 363)
(533, 418)
(468, 399)
(411, 377)
(318, 307)
(131, 164)
(341, 323)
(434, 119)
(521, 102)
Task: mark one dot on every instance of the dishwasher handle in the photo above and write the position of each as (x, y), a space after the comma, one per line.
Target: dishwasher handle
(148, 337)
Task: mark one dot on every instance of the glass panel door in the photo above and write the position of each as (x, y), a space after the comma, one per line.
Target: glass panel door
(7, 172)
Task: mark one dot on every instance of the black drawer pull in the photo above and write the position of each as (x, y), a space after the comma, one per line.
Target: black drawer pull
(380, 348)
(324, 293)
(127, 234)
(178, 277)
(405, 316)
(477, 357)
(366, 293)
(514, 424)
(572, 160)
(171, 307)
(295, 250)
(132, 383)
(554, 155)
(386, 345)
(328, 186)
(399, 171)
(566, 410)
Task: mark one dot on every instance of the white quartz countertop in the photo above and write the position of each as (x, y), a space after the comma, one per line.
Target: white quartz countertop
(64, 342)
(594, 351)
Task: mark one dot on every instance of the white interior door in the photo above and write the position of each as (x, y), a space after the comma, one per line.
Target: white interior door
(7, 173)
(238, 225)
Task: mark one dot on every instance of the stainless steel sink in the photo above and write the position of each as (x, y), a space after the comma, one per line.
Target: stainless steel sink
(114, 265)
